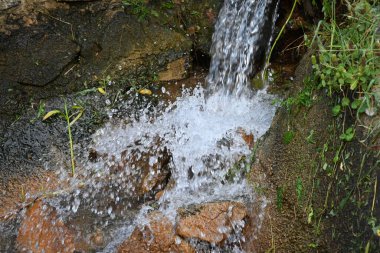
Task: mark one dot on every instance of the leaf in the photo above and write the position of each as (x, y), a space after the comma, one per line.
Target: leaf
(348, 135)
(77, 117)
(310, 215)
(343, 202)
(101, 90)
(155, 13)
(336, 110)
(313, 245)
(354, 84)
(356, 103)
(51, 113)
(77, 107)
(145, 92)
(376, 230)
(345, 101)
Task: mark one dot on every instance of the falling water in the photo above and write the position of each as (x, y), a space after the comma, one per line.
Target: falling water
(240, 43)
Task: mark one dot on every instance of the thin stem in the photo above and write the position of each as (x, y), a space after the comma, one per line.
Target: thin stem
(282, 30)
(70, 141)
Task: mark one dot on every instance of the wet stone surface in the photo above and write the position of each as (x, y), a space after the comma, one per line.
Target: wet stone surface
(158, 236)
(43, 231)
(211, 222)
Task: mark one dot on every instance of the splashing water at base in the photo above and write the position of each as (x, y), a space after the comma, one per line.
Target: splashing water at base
(204, 138)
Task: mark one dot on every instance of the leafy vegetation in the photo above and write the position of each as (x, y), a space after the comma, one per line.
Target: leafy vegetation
(346, 68)
(347, 60)
(138, 8)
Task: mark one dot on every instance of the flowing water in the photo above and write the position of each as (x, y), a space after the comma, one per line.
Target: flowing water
(200, 139)
(240, 43)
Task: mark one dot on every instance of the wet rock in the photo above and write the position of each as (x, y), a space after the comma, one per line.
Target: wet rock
(278, 168)
(212, 222)
(6, 4)
(175, 70)
(17, 192)
(151, 171)
(42, 231)
(198, 19)
(247, 137)
(158, 236)
(41, 60)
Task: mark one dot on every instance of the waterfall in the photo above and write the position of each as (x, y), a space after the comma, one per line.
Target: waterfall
(240, 43)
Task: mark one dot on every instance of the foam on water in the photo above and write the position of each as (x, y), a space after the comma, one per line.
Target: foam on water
(203, 136)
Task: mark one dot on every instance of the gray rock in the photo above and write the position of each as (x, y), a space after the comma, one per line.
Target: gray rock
(6, 4)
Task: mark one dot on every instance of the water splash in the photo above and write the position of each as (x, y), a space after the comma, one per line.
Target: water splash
(240, 43)
(204, 139)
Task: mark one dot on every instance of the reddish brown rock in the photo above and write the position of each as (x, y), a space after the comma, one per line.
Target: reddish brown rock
(18, 192)
(159, 236)
(247, 137)
(212, 222)
(42, 231)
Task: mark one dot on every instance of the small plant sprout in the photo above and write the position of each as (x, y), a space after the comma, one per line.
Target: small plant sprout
(288, 137)
(311, 138)
(104, 82)
(40, 111)
(70, 116)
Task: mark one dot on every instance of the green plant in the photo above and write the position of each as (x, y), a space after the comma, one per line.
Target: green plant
(348, 56)
(303, 98)
(279, 199)
(140, 8)
(40, 111)
(348, 135)
(311, 138)
(288, 137)
(282, 30)
(70, 116)
(167, 5)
